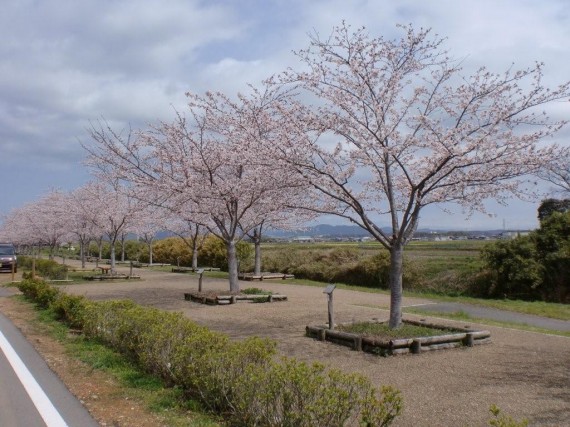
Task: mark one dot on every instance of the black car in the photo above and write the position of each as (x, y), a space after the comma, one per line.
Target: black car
(8, 257)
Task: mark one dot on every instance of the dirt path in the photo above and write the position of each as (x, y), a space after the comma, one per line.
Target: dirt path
(526, 374)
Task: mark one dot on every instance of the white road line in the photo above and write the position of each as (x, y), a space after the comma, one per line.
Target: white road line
(50, 415)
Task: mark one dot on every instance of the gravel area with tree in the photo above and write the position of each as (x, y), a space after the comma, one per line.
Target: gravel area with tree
(526, 374)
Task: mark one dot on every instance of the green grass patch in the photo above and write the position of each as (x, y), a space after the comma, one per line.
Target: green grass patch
(461, 315)
(537, 308)
(169, 402)
(383, 331)
(256, 291)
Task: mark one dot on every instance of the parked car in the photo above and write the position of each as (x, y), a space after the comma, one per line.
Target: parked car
(8, 257)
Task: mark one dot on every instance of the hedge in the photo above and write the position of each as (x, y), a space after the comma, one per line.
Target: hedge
(243, 380)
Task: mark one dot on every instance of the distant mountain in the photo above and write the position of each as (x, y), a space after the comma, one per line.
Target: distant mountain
(324, 230)
(327, 230)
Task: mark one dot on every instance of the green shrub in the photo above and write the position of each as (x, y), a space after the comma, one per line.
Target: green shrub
(239, 379)
(70, 309)
(174, 250)
(501, 420)
(39, 292)
(255, 291)
(339, 265)
(46, 268)
(293, 393)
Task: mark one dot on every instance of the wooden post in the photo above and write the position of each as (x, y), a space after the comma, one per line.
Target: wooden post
(200, 273)
(13, 268)
(131, 270)
(358, 343)
(469, 339)
(329, 291)
(416, 347)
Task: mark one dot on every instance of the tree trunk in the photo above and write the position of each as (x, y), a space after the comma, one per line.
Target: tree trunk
(113, 257)
(396, 268)
(150, 253)
(123, 247)
(195, 253)
(82, 253)
(257, 245)
(232, 266)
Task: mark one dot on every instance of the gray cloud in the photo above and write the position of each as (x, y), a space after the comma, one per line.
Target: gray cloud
(64, 63)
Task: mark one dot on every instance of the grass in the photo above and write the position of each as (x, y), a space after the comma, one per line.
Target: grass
(463, 316)
(169, 402)
(382, 331)
(255, 291)
(537, 308)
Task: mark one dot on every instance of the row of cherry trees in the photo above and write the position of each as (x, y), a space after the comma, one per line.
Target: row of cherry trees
(214, 168)
(95, 212)
(371, 129)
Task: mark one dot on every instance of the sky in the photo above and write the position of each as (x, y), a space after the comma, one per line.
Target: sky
(65, 64)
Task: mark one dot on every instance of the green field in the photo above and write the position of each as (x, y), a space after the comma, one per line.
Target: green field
(435, 266)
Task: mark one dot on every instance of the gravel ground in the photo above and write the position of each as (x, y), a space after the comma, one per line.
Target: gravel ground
(526, 374)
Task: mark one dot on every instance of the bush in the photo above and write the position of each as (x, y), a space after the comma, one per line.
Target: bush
(174, 250)
(70, 309)
(339, 265)
(534, 267)
(46, 268)
(239, 379)
(39, 292)
(214, 254)
(293, 393)
(501, 420)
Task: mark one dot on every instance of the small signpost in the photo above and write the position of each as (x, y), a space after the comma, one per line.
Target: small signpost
(201, 273)
(329, 291)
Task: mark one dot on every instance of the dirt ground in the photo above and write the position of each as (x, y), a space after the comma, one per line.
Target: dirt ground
(526, 374)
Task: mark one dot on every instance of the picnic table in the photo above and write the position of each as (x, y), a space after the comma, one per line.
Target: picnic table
(105, 269)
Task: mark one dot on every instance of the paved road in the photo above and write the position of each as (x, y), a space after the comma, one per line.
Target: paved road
(30, 393)
(496, 314)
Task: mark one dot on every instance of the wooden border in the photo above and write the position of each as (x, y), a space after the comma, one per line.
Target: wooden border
(456, 337)
(232, 299)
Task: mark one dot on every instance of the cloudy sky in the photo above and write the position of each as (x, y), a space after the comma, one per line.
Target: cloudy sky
(64, 63)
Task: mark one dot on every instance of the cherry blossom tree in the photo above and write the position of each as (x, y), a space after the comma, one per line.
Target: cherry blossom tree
(557, 172)
(394, 126)
(80, 224)
(211, 165)
(192, 234)
(18, 228)
(151, 220)
(111, 210)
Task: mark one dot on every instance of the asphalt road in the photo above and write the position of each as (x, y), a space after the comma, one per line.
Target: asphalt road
(30, 393)
(496, 314)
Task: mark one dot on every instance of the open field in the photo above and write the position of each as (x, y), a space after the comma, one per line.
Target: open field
(429, 265)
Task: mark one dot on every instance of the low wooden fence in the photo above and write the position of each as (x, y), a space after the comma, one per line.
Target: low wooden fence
(455, 338)
(232, 299)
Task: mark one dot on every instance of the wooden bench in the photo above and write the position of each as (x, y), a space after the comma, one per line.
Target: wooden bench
(104, 269)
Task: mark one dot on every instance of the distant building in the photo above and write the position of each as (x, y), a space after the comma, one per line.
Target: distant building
(303, 239)
(514, 234)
